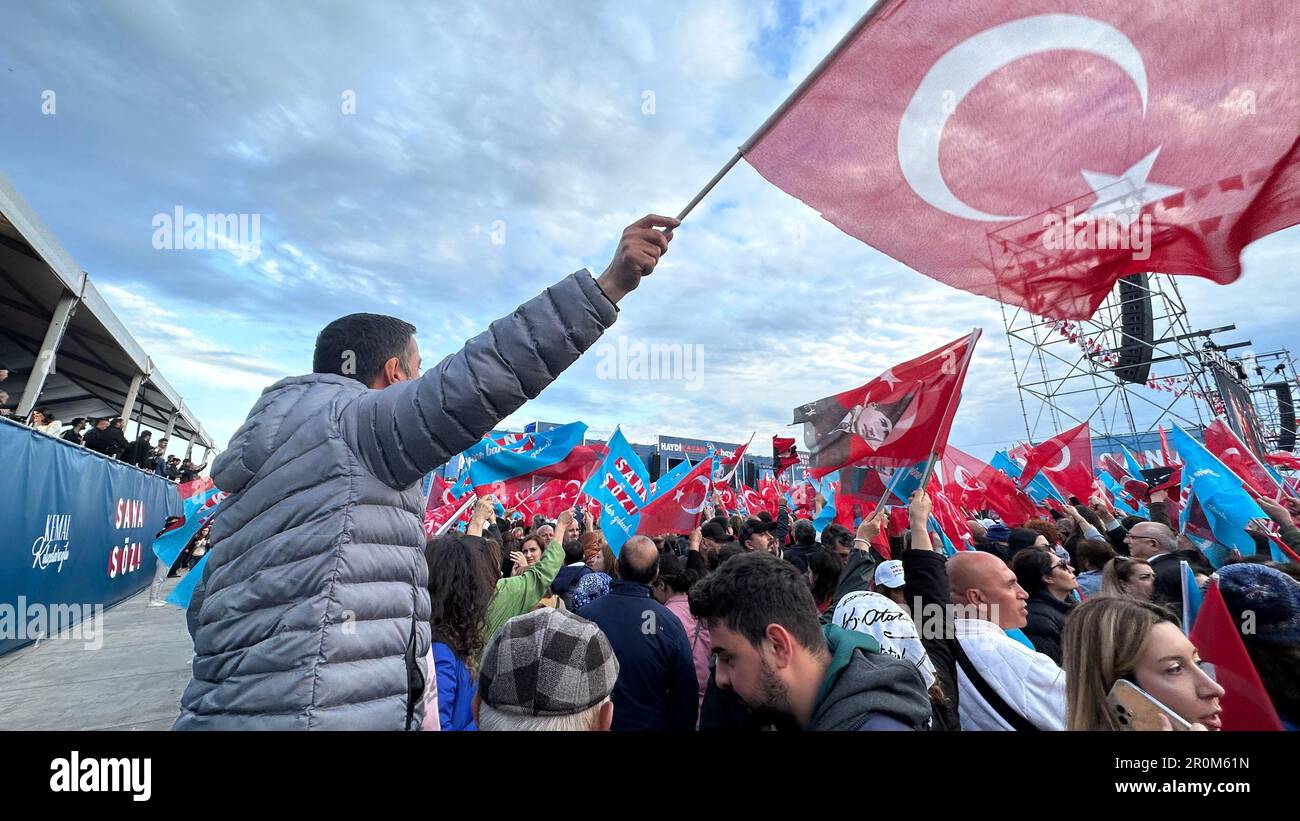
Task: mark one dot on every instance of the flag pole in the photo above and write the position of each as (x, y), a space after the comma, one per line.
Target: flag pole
(965, 365)
(781, 110)
(445, 526)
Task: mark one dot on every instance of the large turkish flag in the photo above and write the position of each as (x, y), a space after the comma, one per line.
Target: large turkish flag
(1035, 151)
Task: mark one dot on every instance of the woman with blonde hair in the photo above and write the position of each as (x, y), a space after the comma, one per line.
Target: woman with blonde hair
(1109, 638)
(1123, 576)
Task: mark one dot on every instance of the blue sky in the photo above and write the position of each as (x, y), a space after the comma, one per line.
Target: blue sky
(469, 117)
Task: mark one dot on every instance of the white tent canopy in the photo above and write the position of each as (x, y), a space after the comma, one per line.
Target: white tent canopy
(64, 347)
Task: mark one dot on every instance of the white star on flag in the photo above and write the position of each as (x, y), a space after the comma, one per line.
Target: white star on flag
(1123, 197)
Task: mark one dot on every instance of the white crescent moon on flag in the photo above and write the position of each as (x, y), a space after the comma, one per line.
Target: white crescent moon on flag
(965, 65)
(704, 481)
(957, 477)
(1065, 459)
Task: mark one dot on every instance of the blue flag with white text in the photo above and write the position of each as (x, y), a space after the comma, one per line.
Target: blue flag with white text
(622, 486)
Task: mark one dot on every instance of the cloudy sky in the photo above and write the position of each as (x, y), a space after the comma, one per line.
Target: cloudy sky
(495, 147)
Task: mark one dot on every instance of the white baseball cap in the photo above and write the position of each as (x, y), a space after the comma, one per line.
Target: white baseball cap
(889, 574)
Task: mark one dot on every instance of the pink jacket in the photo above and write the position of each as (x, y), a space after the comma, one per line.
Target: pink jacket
(701, 645)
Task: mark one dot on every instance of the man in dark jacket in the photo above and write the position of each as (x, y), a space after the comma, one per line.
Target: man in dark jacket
(1157, 545)
(805, 542)
(190, 471)
(117, 438)
(656, 688)
(313, 611)
(107, 438)
(138, 453)
(159, 460)
(773, 653)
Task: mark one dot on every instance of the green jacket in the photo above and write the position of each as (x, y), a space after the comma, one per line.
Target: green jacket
(516, 595)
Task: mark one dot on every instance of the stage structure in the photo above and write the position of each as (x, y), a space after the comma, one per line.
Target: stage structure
(1270, 379)
(1137, 364)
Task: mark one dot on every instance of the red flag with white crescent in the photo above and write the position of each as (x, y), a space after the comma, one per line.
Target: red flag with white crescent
(677, 510)
(1066, 460)
(1036, 151)
(979, 485)
(1223, 442)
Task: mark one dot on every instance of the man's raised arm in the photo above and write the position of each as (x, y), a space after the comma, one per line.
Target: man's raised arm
(407, 429)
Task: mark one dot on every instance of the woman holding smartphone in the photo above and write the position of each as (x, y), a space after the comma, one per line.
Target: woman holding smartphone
(1112, 638)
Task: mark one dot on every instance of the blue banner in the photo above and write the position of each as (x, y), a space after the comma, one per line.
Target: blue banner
(621, 485)
(1227, 505)
(490, 462)
(76, 532)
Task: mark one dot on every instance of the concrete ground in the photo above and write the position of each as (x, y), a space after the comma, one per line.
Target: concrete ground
(132, 682)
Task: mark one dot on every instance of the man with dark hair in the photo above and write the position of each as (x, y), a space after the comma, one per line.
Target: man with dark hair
(362, 345)
(774, 654)
(656, 688)
(756, 535)
(117, 443)
(713, 537)
(190, 471)
(837, 538)
(138, 453)
(805, 542)
(313, 610)
(107, 438)
(97, 436)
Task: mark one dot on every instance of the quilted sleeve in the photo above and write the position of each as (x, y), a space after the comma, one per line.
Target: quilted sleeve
(408, 429)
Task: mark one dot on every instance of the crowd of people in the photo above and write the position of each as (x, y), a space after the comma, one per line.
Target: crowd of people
(107, 435)
(324, 606)
(753, 623)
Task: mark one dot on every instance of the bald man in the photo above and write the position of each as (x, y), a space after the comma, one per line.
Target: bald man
(1157, 545)
(1002, 683)
(656, 687)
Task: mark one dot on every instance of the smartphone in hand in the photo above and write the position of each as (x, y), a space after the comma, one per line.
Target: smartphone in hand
(1136, 709)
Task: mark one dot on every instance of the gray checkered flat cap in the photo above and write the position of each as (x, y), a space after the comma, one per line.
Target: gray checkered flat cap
(547, 663)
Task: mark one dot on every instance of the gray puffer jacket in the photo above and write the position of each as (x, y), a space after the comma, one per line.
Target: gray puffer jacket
(313, 612)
